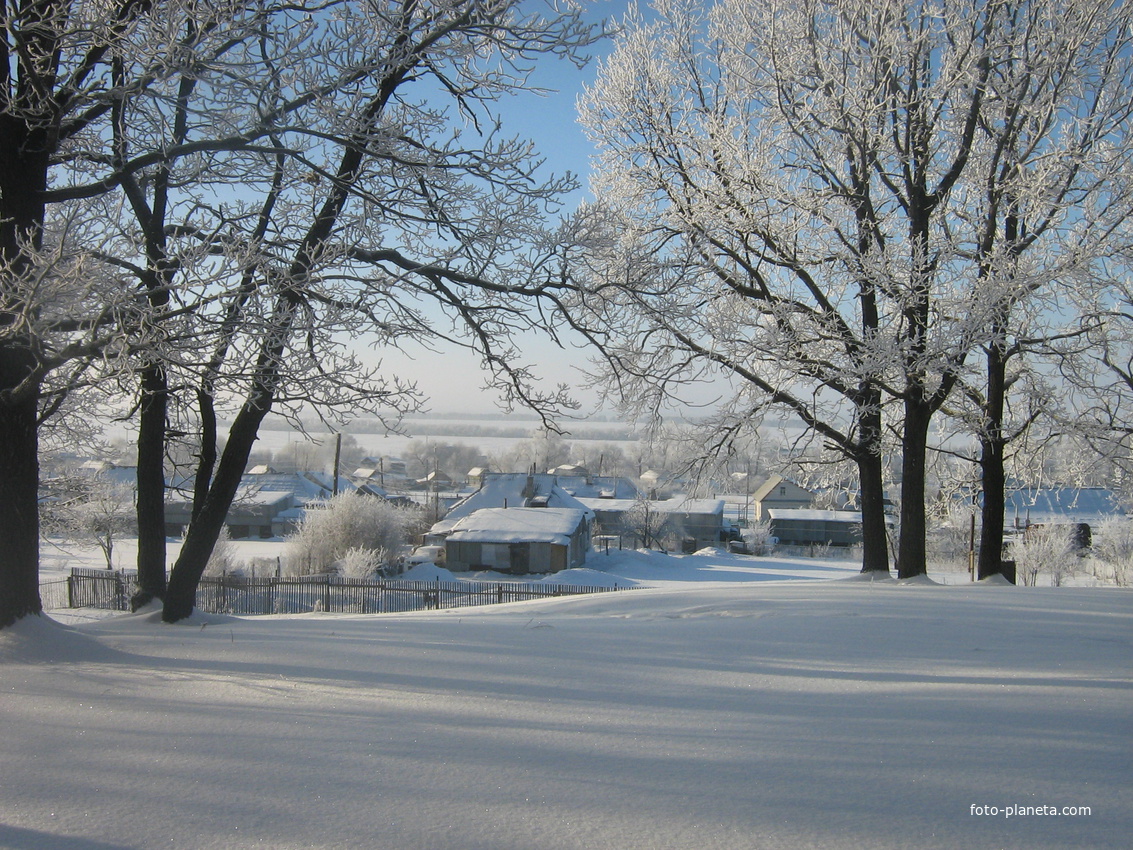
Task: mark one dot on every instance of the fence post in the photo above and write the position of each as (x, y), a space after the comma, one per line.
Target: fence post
(71, 590)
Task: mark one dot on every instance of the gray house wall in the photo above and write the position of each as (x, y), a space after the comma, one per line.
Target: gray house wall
(512, 557)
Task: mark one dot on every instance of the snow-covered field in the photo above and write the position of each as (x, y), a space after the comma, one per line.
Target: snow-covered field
(740, 703)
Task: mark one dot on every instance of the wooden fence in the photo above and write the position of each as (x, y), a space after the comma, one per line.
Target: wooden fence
(86, 588)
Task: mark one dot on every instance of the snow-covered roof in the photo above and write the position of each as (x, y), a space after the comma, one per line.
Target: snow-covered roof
(511, 490)
(598, 486)
(764, 490)
(810, 515)
(676, 505)
(518, 525)
(685, 505)
(1061, 504)
(252, 496)
(304, 486)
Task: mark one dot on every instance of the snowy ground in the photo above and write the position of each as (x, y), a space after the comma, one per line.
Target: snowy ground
(742, 703)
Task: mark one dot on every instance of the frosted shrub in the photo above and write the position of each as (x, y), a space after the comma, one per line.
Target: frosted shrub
(758, 539)
(1044, 549)
(361, 563)
(950, 533)
(349, 521)
(1113, 552)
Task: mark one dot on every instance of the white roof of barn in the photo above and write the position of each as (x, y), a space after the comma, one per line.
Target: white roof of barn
(598, 487)
(678, 505)
(304, 486)
(681, 505)
(814, 515)
(257, 496)
(1061, 504)
(518, 525)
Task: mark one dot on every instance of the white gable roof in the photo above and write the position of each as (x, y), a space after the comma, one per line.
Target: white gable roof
(519, 525)
(501, 490)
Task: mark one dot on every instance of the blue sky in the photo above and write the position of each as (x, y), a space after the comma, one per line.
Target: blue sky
(453, 380)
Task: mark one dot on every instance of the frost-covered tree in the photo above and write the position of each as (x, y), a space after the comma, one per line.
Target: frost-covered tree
(1096, 367)
(1044, 549)
(1045, 213)
(215, 194)
(64, 312)
(349, 523)
(647, 525)
(758, 539)
(1113, 551)
(392, 203)
(99, 511)
(828, 207)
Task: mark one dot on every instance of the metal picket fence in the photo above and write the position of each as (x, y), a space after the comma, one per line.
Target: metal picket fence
(86, 588)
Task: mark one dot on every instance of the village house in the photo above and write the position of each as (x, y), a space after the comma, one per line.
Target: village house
(519, 540)
(693, 523)
(505, 490)
(1029, 506)
(267, 503)
(778, 492)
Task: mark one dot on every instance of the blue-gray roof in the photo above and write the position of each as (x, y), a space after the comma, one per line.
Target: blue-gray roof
(1061, 504)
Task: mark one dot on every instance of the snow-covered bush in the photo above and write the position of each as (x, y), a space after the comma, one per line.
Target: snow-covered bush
(349, 521)
(1044, 549)
(758, 539)
(949, 537)
(362, 563)
(1113, 552)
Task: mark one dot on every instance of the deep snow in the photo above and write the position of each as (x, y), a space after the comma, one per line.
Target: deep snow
(729, 708)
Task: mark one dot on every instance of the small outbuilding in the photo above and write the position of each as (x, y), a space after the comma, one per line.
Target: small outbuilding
(519, 540)
(816, 528)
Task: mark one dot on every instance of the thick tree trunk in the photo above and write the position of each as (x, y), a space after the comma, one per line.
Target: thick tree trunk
(992, 453)
(152, 421)
(205, 528)
(19, 497)
(875, 542)
(24, 155)
(206, 458)
(912, 553)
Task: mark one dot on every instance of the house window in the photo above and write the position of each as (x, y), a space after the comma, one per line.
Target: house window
(782, 491)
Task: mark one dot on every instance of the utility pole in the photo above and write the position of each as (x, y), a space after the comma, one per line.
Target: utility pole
(337, 457)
